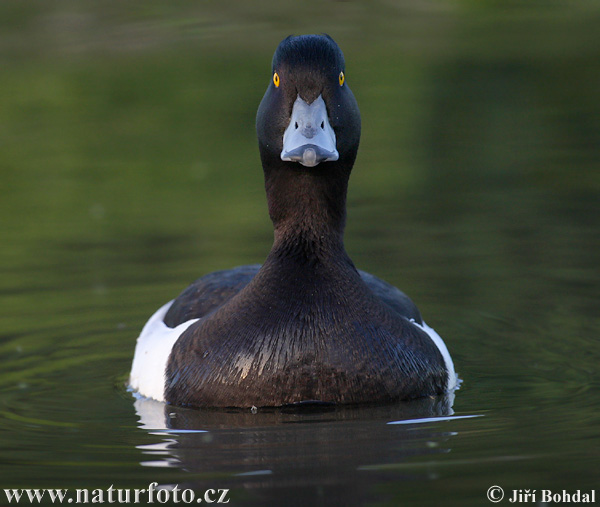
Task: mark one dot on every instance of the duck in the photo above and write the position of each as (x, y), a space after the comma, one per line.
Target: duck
(306, 326)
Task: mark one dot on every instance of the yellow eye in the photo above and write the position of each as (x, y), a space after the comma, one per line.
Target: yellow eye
(276, 80)
(342, 78)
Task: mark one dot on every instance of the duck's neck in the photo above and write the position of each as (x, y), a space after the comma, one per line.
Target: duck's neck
(308, 210)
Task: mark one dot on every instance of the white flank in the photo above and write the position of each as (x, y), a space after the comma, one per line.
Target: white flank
(152, 352)
(437, 339)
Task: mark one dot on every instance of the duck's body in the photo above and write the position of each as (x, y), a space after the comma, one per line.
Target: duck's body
(306, 325)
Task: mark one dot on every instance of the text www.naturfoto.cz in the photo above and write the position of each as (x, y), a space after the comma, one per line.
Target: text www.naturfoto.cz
(149, 495)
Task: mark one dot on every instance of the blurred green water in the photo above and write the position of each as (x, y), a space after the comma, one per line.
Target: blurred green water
(128, 167)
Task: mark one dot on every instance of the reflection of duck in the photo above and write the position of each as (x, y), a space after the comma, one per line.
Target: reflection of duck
(346, 454)
(306, 325)
(242, 442)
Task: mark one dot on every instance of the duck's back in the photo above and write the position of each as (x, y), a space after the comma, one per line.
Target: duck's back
(211, 291)
(208, 293)
(284, 336)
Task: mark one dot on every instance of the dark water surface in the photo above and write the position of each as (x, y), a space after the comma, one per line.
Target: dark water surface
(129, 167)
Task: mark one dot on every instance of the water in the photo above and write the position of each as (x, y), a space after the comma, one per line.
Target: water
(129, 167)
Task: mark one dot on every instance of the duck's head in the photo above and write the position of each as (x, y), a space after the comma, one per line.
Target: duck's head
(308, 117)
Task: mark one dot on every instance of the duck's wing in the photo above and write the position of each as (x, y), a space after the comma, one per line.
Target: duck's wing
(392, 297)
(208, 293)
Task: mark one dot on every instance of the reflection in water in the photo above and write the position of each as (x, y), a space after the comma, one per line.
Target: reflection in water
(312, 451)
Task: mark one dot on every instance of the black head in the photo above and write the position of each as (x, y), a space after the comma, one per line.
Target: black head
(308, 78)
